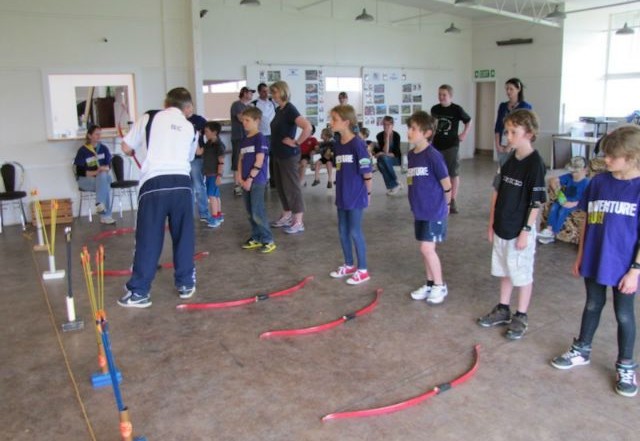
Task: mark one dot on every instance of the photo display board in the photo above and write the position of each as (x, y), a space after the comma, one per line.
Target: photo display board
(306, 83)
(394, 92)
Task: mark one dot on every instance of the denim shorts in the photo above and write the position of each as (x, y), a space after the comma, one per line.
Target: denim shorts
(431, 231)
(213, 191)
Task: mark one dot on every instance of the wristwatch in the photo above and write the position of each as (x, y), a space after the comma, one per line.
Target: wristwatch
(526, 228)
(635, 265)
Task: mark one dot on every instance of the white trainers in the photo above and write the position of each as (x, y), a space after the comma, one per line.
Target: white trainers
(344, 270)
(395, 190)
(107, 220)
(421, 293)
(546, 233)
(100, 208)
(284, 221)
(437, 295)
(358, 277)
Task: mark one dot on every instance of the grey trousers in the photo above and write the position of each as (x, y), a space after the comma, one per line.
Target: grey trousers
(287, 179)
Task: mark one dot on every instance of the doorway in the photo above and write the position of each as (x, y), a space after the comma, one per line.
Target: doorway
(485, 117)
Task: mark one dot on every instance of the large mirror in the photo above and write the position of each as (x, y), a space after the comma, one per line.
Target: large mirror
(76, 101)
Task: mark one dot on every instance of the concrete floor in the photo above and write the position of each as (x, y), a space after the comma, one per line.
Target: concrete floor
(207, 376)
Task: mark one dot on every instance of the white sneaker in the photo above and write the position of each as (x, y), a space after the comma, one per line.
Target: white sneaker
(100, 208)
(437, 295)
(284, 221)
(395, 190)
(546, 233)
(421, 293)
(107, 220)
(546, 240)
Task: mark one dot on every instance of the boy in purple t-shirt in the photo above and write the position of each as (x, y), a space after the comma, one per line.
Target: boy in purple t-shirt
(353, 191)
(429, 189)
(252, 177)
(609, 254)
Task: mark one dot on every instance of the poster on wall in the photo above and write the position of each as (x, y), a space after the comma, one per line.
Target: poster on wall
(306, 84)
(391, 92)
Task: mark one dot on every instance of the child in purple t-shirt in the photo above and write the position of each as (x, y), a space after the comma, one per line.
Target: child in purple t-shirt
(353, 191)
(252, 177)
(429, 189)
(609, 254)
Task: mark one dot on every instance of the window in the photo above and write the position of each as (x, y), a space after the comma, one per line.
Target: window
(346, 84)
(218, 97)
(622, 80)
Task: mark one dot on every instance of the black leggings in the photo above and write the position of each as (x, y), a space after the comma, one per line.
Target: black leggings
(625, 315)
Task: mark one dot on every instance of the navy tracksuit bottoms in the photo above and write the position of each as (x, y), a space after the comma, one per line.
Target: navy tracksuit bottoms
(163, 199)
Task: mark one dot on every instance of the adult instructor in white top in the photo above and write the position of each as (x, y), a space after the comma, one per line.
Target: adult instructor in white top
(165, 197)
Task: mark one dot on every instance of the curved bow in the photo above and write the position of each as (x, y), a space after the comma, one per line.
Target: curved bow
(245, 301)
(410, 402)
(324, 326)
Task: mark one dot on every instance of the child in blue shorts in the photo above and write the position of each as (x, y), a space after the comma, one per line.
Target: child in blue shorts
(212, 168)
(429, 189)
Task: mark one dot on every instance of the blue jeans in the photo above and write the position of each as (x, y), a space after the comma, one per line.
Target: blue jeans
(101, 185)
(385, 165)
(350, 228)
(625, 316)
(166, 197)
(557, 215)
(197, 185)
(254, 202)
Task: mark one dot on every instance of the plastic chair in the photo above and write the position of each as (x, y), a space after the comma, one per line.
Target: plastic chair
(12, 178)
(85, 195)
(121, 185)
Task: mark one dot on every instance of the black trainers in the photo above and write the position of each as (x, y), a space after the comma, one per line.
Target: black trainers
(315, 182)
(626, 384)
(497, 316)
(517, 327)
(186, 292)
(578, 354)
(134, 300)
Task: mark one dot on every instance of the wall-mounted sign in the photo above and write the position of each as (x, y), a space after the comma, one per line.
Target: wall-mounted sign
(485, 73)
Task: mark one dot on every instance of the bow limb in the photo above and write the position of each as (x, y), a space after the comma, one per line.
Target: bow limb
(245, 301)
(324, 326)
(411, 401)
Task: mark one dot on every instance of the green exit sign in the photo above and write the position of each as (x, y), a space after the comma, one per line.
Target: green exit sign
(485, 73)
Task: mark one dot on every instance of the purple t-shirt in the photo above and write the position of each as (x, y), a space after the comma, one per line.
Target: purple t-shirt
(249, 148)
(426, 195)
(352, 162)
(612, 232)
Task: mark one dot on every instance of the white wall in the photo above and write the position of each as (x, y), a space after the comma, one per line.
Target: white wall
(235, 37)
(150, 38)
(537, 65)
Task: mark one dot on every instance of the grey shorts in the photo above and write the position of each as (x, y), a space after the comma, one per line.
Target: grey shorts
(452, 159)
